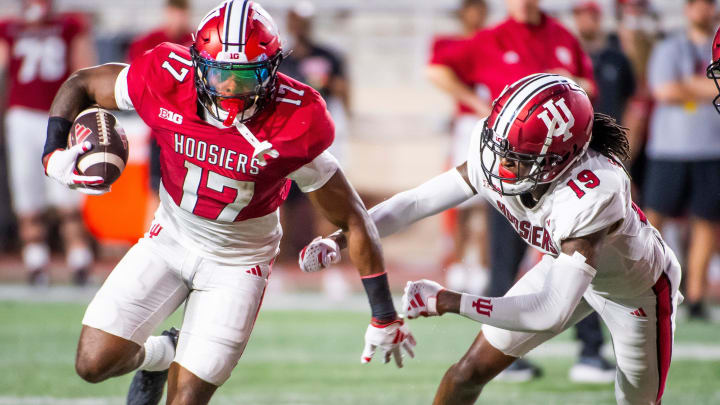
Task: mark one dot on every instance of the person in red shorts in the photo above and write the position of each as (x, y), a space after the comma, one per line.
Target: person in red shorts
(527, 42)
(38, 51)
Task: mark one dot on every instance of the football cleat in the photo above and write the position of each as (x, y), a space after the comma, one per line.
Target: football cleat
(592, 370)
(519, 371)
(38, 278)
(80, 277)
(147, 387)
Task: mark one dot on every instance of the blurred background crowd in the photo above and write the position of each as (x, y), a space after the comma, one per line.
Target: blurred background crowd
(405, 82)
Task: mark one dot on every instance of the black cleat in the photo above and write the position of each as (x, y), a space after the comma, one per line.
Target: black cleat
(147, 387)
(38, 278)
(80, 277)
(520, 370)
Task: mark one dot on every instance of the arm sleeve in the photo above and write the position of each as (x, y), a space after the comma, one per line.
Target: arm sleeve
(547, 309)
(122, 93)
(435, 195)
(474, 159)
(315, 174)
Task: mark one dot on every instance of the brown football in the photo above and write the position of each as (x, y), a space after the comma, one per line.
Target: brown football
(109, 154)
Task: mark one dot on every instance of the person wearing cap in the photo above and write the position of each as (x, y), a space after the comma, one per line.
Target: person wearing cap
(683, 150)
(528, 41)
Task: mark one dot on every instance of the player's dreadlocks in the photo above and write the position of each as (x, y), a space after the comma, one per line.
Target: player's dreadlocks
(610, 138)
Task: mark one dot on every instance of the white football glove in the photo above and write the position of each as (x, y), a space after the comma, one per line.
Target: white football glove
(61, 167)
(392, 339)
(420, 298)
(319, 254)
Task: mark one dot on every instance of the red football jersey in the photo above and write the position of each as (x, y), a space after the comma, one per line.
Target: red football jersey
(210, 171)
(152, 39)
(444, 45)
(39, 60)
(507, 52)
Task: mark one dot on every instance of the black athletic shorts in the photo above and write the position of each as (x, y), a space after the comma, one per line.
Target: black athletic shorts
(674, 188)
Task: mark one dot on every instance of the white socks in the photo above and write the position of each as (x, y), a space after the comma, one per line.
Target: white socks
(35, 255)
(79, 258)
(159, 353)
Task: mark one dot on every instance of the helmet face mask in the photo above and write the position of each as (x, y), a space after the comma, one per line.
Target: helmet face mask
(530, 169)
(713, 70)
(241, 89)
(236, 55)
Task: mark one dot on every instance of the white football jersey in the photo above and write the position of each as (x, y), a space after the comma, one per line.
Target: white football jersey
(592, 194)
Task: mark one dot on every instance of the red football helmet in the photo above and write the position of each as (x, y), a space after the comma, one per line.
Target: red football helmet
(543, 122)
(236, 55)
(713, 70)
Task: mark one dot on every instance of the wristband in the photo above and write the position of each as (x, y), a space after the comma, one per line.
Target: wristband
(57, 135)
(381, 304)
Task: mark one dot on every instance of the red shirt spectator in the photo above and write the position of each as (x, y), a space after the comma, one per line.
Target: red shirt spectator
(509, 51)
(154, 38)
(175, 29)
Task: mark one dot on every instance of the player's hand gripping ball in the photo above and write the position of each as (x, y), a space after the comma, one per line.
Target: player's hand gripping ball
(109, 151)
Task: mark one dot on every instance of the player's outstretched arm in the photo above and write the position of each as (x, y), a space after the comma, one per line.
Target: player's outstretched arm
(396, 213)
(84, 88)
(340, 203)
(550, 293)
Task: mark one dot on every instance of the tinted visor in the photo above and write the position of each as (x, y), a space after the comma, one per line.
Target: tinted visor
(229, 80)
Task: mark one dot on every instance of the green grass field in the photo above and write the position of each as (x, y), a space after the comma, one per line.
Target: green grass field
(312, 357)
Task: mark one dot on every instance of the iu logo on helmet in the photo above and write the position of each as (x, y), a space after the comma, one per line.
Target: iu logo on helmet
(557, 126)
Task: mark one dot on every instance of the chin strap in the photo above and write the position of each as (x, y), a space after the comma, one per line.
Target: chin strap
(260, 149)
(233, 111)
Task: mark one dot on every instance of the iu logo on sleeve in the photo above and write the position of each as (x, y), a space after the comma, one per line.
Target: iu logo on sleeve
(557, 125)
(483, 306)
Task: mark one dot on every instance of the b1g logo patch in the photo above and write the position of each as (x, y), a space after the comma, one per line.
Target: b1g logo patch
(81, 132)
(557, 125)
(170, 116)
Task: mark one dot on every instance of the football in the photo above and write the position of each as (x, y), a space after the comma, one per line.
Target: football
(109, 154)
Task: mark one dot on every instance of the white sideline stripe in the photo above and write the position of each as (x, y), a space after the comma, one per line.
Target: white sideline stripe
(220, 399)
(10, 400)
(95, 158)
